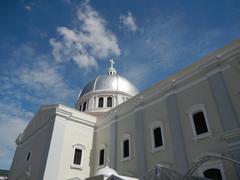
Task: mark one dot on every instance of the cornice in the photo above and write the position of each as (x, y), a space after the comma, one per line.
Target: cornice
(231, 134)
(213, 64)
(69, 116)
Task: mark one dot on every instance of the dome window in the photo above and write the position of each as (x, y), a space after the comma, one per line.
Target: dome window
(109, 102)
(84, 106)
(100, 102)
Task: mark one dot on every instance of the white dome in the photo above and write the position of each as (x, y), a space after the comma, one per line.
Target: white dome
(110, 83)
(106, 171)
(105, 92)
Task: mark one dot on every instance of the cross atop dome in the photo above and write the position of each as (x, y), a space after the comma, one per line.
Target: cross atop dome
(111, 70)
(112, 62)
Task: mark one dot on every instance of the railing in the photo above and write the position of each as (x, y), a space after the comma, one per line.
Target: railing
(203, 160)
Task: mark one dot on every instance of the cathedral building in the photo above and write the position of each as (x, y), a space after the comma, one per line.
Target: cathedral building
(117, 131)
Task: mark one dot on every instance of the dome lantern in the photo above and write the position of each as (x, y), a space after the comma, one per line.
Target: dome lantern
(111, 70)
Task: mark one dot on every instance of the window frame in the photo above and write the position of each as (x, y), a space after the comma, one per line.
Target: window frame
(111, 101)
(191, 112)
(101, 147)
(84, 107)
(101, 97)
(152, 127)
(217, 164)
(125, 137)
(82, 148)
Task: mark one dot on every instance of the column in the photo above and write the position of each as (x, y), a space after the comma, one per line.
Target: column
(223, 102)
(178, 142)
(141, 166)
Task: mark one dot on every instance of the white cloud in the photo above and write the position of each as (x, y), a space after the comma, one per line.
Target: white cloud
(89, 41)
(33, 82)
(28, 79)
(45, 83)
(39, 82)
(42, 77)
(138, 73)
(129, 22)
(166, 46)
(13, 120)
(28, 7)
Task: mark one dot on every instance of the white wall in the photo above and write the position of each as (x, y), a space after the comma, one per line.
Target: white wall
(36, 140)
(71, 127)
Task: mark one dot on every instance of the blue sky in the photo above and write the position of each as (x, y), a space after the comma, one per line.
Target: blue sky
(50, 49)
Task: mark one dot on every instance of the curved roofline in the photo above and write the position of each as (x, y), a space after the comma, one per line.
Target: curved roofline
(99, 82)
(105, 90)
(94, 86)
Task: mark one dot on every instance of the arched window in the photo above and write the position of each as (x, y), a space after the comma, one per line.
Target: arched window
(100, 102)
(84, 106)
(80, 108)
(213, 169)
(213, 173)
(109, 102)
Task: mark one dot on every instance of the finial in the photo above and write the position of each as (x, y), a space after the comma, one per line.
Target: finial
(112, 62)
(111, 70)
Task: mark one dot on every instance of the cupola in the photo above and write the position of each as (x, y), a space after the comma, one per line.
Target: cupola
(105, 92)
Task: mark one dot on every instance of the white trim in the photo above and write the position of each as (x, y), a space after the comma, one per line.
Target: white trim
(153, 126)
(212, 165)
(112, 104)
(199, 157)
(101, 147)
(103, 92)
(105, 97)
(231, 134)
(192, 110)
(82, 148)
(98, 98)
(125, 137)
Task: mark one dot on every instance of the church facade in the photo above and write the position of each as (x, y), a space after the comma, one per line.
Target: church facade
(116, 130)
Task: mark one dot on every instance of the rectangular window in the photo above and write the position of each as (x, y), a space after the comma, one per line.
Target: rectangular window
(77, 157)
(101, 157)
(200, 123)
(157, 132)
(126, 148)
